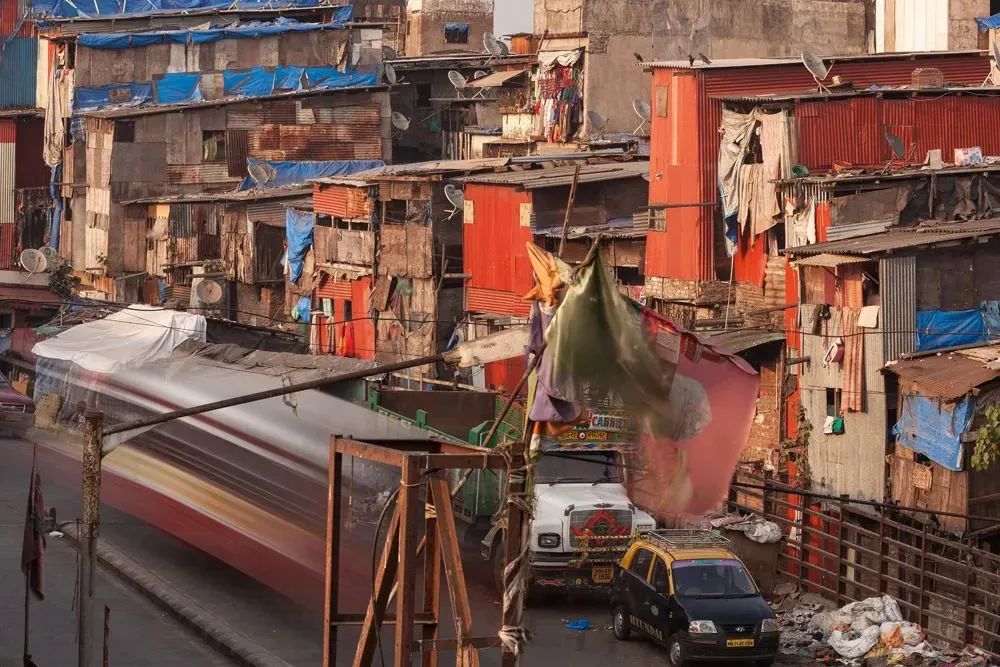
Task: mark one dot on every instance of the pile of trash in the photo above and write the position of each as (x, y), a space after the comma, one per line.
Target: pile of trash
(755, 527)
(869, 632)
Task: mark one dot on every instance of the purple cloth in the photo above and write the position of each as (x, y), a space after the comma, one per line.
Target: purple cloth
(553, 403)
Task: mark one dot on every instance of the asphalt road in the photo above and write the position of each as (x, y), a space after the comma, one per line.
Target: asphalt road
(294, 633)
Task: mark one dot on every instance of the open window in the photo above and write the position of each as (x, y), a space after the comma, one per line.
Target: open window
(213, 146)
(456, 33)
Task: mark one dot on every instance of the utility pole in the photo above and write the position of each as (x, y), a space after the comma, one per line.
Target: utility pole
(89, 530)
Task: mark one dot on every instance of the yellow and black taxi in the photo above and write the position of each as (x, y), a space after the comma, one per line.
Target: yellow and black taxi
(686, 590)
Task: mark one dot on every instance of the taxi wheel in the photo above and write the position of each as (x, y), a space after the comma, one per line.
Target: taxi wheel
(675, 652)
(620, 624)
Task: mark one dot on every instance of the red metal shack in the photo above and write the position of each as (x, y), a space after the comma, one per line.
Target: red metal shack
(505, 211)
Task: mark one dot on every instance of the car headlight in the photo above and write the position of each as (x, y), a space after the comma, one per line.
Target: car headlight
(702, 628)
(548, 540)
(770, 625)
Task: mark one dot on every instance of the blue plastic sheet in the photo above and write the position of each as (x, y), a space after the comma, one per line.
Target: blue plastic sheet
(933, 428)
(87, 99)
(55, 213)
(299, 234)
(251, 30)
(260, 81)
(67, 9)
(988, 23)
(303, 309)
(295, 173)
(940, 328)
(178, 87)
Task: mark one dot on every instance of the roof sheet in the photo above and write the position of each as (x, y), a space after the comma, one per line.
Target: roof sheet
(741, 340)
(432, 168)
(534, 179)
(948, 376)
(729, 63)
(829, 260)
(899, 238)
(496, 79)
(230, 196)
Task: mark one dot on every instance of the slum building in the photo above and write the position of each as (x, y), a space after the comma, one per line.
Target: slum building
(160, 113)
(443, 26)
(387, 250)
(451, 123)
(24, 181)
(717, 263)
(505, 211)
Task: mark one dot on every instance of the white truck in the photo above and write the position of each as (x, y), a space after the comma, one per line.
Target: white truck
(583, 518)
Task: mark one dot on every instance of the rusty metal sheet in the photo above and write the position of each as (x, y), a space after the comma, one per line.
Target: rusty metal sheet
(945, 376)
(237, 151)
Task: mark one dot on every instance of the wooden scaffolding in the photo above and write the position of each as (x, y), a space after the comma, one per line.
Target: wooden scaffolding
(424, 497)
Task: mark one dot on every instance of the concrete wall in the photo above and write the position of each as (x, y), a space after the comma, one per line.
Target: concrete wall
(758, 28)
(425, 30)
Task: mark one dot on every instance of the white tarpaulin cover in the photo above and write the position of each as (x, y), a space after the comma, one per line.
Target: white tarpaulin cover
(128, 338)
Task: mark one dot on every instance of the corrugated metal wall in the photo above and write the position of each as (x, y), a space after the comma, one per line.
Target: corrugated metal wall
(18, 71)
(898, 277)
(683, 163)
(342, 201)
(494, 239)
(8, 167)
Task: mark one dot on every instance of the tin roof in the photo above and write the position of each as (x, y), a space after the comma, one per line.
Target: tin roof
(898, 238)
(496, 79)
(850, 176)
(951, 375)
(229, 196)
(733, 63)
(431, 168)
(535, 179)
(461, 61)
(735, 341)
(813, 94)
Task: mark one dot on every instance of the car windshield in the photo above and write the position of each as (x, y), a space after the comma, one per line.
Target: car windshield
(712, 578)
(575, 466)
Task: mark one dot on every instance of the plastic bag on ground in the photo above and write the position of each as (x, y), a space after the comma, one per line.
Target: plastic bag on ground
(854, 644)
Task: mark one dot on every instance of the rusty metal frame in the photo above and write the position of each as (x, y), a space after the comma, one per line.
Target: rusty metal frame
(423, 466)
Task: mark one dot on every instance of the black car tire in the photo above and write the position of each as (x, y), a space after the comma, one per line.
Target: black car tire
(676, 656)
(766, 662)
(620, 625)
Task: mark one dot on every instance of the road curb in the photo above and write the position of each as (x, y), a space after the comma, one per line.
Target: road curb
(219, 634)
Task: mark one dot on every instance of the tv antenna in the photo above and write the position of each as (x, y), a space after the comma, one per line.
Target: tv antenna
(494, 47)
(597, 124)
(817, 68)
(400, 122)
(456, 198)
(262, 173)
(33, 261)
(459, 81)
(644, 112)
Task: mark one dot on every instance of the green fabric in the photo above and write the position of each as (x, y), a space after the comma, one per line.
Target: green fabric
(598, 340)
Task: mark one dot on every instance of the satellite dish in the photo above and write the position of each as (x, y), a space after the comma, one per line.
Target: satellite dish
(457, 80)
(644, 112)
(262, 173)
(478, 74)
(400, 122)
(597, 124)
(51, 254)
(209, 291)
(817, 68)
(390, 74)
(898, 148)
(33, 261)
(505, 50)
(389, 53)
(494, 46)
(457, 199)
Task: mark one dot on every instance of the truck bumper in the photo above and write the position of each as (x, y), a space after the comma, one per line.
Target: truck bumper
(562, 571)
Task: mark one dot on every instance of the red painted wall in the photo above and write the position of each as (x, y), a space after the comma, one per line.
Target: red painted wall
(358, 294)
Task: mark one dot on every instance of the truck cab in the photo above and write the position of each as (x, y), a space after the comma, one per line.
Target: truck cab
(583, 518)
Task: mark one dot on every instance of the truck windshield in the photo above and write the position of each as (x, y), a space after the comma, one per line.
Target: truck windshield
(712, 578)
(578, 467)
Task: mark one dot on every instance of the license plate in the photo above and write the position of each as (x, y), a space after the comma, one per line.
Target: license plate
(602, 574)
(739, 643)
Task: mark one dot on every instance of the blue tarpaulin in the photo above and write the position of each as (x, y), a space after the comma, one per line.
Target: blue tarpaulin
(293, 173)
(251, 30)
(299, 234)
(68, 9)
(259, 81)
(178, 87)
(940, 328)
(934, 428)
(87, 99)
(988, 23)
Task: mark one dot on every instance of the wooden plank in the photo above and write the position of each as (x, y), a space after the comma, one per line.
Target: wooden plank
(517, 530)
(409, 507)
(192, 138)
(385, 577)
(333, 523)
(393, 457)
(454, 574)
(432, 583)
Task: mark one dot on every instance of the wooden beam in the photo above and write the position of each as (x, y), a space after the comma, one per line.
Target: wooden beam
(369, 452)
(463, 461)
(432, 583)
(333, 523)
(359, 619)
(385, 577)
(410, 509)
(454, 574)
(513, 540)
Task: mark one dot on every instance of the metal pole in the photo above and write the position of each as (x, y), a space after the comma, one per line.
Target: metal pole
(26, 658)
(89, 531)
